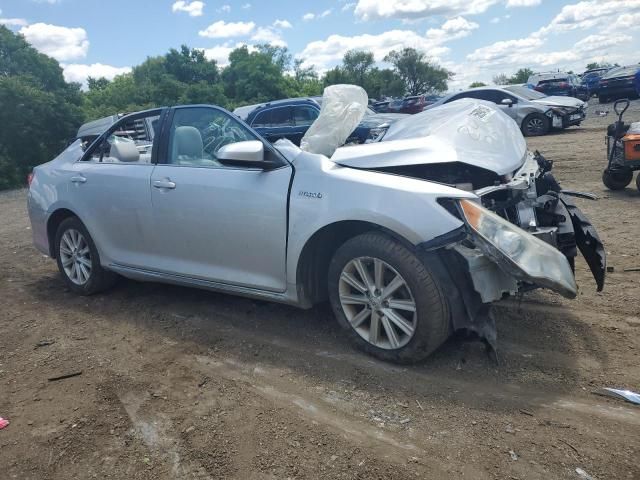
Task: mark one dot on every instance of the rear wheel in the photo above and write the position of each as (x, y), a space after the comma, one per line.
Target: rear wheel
(535, 125)
(78, 259)
(387, 300)
(638, 182)
(617, 180)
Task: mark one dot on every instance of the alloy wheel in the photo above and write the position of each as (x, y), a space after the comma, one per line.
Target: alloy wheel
(75, 256)
(535, 126)
(377, 302)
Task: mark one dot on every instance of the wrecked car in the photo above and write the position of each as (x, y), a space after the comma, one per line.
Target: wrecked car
(409, 238)
(534, 112)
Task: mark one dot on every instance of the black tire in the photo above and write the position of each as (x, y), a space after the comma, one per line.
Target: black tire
(617, 180)
(99, 279)
(603, 99)
(535, 125)
(638, 182)
(432, 317)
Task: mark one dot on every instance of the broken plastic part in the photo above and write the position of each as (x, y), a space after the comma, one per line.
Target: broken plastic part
(343, 107)
(3, 423)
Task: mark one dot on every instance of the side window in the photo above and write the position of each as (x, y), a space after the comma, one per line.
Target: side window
(304, 115)
(281, 117)
(498, 96)
(262, 119)
(129, 141)
(197, 133)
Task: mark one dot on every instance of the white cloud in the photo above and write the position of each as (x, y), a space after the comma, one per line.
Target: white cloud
(194, 9)
(326, 13)
(79, 73)
(269, 35)
(348, 6)
(246, 6)
(495, 20)
(325, 53)
(523, 3)
(589, 14)
(220, 53)
(413, 9)
(61, 43)
(224, 9)
(308, 16)
(282, 24)
(452, 29)
(222, 29)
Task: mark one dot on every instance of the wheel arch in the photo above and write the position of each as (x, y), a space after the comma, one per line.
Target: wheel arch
(53, 222)
(313, 263)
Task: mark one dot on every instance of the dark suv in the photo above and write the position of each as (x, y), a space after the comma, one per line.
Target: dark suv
(559, 84)
(292, 118)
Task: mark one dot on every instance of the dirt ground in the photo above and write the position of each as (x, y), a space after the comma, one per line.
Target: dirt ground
(179, 383)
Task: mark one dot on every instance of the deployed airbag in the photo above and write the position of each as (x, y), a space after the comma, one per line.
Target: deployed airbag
(343, 107)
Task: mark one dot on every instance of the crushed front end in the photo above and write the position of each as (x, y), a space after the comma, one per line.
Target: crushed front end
(522, 233)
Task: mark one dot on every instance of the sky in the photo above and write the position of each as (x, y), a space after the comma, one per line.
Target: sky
(475, 39)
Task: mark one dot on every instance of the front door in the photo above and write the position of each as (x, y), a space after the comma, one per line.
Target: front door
(215, 222)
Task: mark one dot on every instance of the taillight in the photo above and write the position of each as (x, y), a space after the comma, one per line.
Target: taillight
(563, 85)
(538, 88)
(30, 178)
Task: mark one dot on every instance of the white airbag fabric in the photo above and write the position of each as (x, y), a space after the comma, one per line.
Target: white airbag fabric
(343, 107)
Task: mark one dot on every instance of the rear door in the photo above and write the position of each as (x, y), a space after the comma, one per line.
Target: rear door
(215, 222)
(109, 189)
(303, 117)
(275, 123)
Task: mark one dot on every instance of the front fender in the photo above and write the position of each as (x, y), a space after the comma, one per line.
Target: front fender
(325, 193)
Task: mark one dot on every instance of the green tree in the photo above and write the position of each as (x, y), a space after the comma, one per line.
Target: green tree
(521, 76)
(418, 73)
(40, 111)
(477, 84)
(357, 65)
(257, 76)
(500, 79)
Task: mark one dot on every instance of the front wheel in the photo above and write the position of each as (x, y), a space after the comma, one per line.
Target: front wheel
(617, 180)
(535, 125)
(387, 300)
(78, 259)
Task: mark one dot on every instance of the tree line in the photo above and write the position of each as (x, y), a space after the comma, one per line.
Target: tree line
(41, 112)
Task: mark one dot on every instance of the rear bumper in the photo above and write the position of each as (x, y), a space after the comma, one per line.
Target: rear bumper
(38, 218)
(617, 91)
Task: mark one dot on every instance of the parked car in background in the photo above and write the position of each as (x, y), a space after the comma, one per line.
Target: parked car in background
(559, 84)
(534, 112)
(413, 104)
(409, 239)
(292, 118)
(619, 83)
(591, 80)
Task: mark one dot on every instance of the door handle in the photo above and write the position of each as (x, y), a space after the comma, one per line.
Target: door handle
(164, 184)
(78, 179)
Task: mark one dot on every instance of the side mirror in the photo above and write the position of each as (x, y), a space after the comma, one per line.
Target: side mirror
(506, 101)
(249, 154)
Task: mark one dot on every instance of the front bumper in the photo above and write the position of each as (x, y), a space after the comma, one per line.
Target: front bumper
(534, 201)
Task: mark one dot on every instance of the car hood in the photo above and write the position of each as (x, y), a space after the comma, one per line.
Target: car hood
(375, 120)
(469, 131)
(557, 101)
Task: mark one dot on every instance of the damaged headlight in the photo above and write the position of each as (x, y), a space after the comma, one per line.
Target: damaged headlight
(521, 254)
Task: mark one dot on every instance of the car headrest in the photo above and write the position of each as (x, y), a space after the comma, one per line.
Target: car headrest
(125, 151)
(188, 142)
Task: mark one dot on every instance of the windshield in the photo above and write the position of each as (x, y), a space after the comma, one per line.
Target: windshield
(525, 92)
(622, 71)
